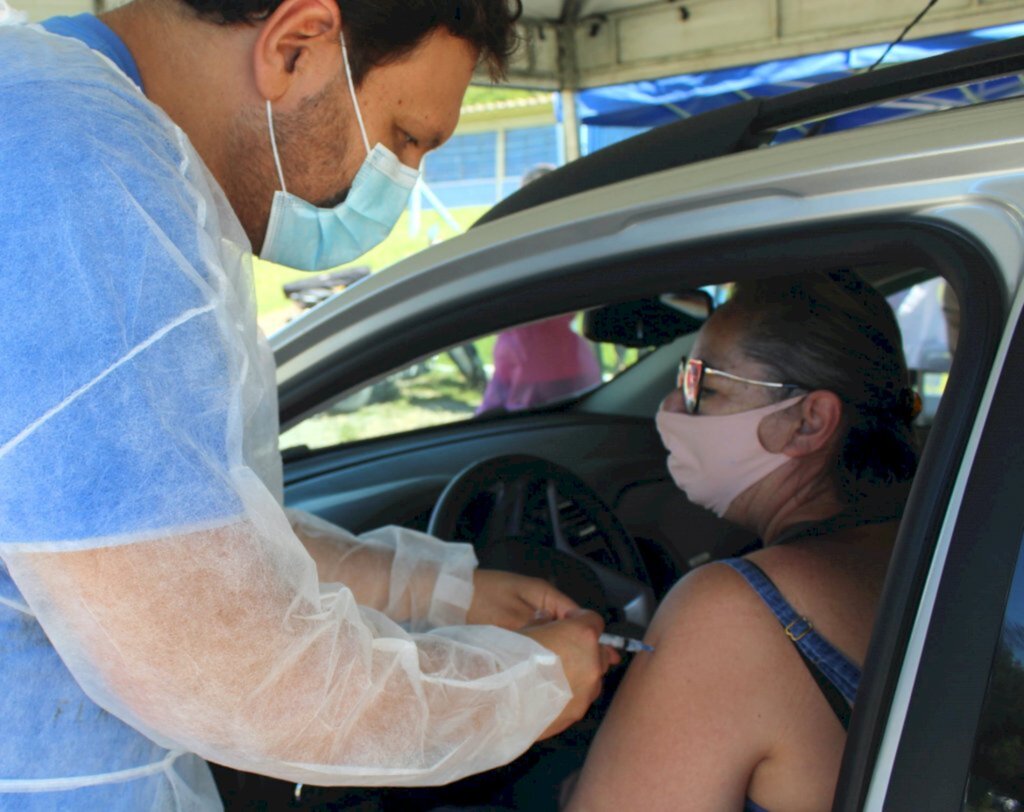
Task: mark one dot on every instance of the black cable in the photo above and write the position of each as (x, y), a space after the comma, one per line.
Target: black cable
(906, 31)
(816, 128)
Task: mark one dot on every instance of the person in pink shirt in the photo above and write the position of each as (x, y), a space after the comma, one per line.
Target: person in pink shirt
(542, 362)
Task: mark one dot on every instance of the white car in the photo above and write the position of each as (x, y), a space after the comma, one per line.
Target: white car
(939, 720)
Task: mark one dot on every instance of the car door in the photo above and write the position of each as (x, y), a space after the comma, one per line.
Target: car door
(954, 737)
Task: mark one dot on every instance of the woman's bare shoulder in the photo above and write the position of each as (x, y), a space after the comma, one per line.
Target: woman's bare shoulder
(836, 582)
(693, 719)
(714, 611)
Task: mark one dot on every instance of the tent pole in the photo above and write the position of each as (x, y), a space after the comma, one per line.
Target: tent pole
(570, 125)
(569, 77)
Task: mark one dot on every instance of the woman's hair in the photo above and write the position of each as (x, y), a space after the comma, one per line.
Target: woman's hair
(378, 32)
(833, 331)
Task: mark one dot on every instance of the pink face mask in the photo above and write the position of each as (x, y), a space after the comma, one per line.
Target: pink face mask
(715, 458)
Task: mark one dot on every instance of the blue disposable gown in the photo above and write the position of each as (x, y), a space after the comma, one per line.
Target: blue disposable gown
(138, 447)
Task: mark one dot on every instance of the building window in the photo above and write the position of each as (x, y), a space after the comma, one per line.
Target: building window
(464, 157)
(529, 146)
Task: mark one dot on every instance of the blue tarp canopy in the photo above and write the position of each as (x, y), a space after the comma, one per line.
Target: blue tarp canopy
(660, 101)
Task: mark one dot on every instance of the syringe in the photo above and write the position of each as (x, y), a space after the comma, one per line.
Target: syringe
(630, 644)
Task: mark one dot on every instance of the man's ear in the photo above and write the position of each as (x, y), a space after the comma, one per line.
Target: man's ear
(297, 51)
(820, 417)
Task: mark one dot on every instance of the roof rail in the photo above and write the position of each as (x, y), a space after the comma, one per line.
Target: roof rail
(951, 69)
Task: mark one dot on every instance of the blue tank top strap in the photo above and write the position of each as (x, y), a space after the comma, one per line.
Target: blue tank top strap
(836, 667)
(750, 806)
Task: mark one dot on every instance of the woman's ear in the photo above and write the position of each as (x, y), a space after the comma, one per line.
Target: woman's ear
(298, 50)
(805, 427)
(820, 416)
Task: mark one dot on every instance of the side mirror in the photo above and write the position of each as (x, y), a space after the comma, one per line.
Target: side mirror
(649, 322)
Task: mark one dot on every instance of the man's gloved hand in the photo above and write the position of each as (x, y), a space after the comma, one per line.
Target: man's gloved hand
(512, 601)
(574, 639)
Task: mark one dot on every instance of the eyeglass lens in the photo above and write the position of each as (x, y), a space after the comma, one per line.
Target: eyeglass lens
(693, 375)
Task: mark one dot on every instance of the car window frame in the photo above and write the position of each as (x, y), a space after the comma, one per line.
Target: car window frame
(947, 687)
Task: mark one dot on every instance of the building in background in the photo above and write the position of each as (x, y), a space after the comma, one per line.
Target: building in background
(495, 144)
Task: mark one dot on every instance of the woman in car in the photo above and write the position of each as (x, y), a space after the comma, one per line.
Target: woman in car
(792, 418)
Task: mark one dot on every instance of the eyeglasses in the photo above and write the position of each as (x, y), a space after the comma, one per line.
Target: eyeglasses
(691, 381)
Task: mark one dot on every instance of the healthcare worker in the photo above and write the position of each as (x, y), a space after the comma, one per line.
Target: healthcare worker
(158, 606)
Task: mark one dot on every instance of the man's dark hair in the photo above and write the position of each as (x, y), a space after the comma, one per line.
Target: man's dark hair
(381, 31)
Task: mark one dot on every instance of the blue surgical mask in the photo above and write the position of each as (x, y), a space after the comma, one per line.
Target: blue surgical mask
(301, 235)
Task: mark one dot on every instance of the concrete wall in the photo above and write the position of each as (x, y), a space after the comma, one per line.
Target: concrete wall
(41, 9)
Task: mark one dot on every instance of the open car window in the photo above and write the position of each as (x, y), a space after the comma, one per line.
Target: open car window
(528, 366)
(546, 362)
(928, 315)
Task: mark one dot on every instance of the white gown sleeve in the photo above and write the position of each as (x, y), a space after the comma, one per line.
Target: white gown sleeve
(225, 643)
(411, 577)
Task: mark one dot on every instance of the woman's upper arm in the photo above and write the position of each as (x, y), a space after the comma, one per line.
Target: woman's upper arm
(688, 724)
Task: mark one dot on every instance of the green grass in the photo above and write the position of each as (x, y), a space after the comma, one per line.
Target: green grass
(430, 393)
(273, 307)
(479, 94)
(438, 394)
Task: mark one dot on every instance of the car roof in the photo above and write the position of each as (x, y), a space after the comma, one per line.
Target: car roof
(754, 123)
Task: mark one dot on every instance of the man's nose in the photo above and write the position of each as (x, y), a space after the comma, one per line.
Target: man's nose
(412, 155)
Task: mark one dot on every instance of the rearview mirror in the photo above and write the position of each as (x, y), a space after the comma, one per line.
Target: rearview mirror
(649, 322)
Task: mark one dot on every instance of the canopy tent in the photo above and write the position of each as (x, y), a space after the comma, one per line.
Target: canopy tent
(575, 44)
(608, 114)
(659, 101)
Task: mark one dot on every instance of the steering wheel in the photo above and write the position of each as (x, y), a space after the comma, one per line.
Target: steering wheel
(528, 515)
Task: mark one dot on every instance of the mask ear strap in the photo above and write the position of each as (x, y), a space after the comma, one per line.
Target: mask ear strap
(273, 146)
(352, 91)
